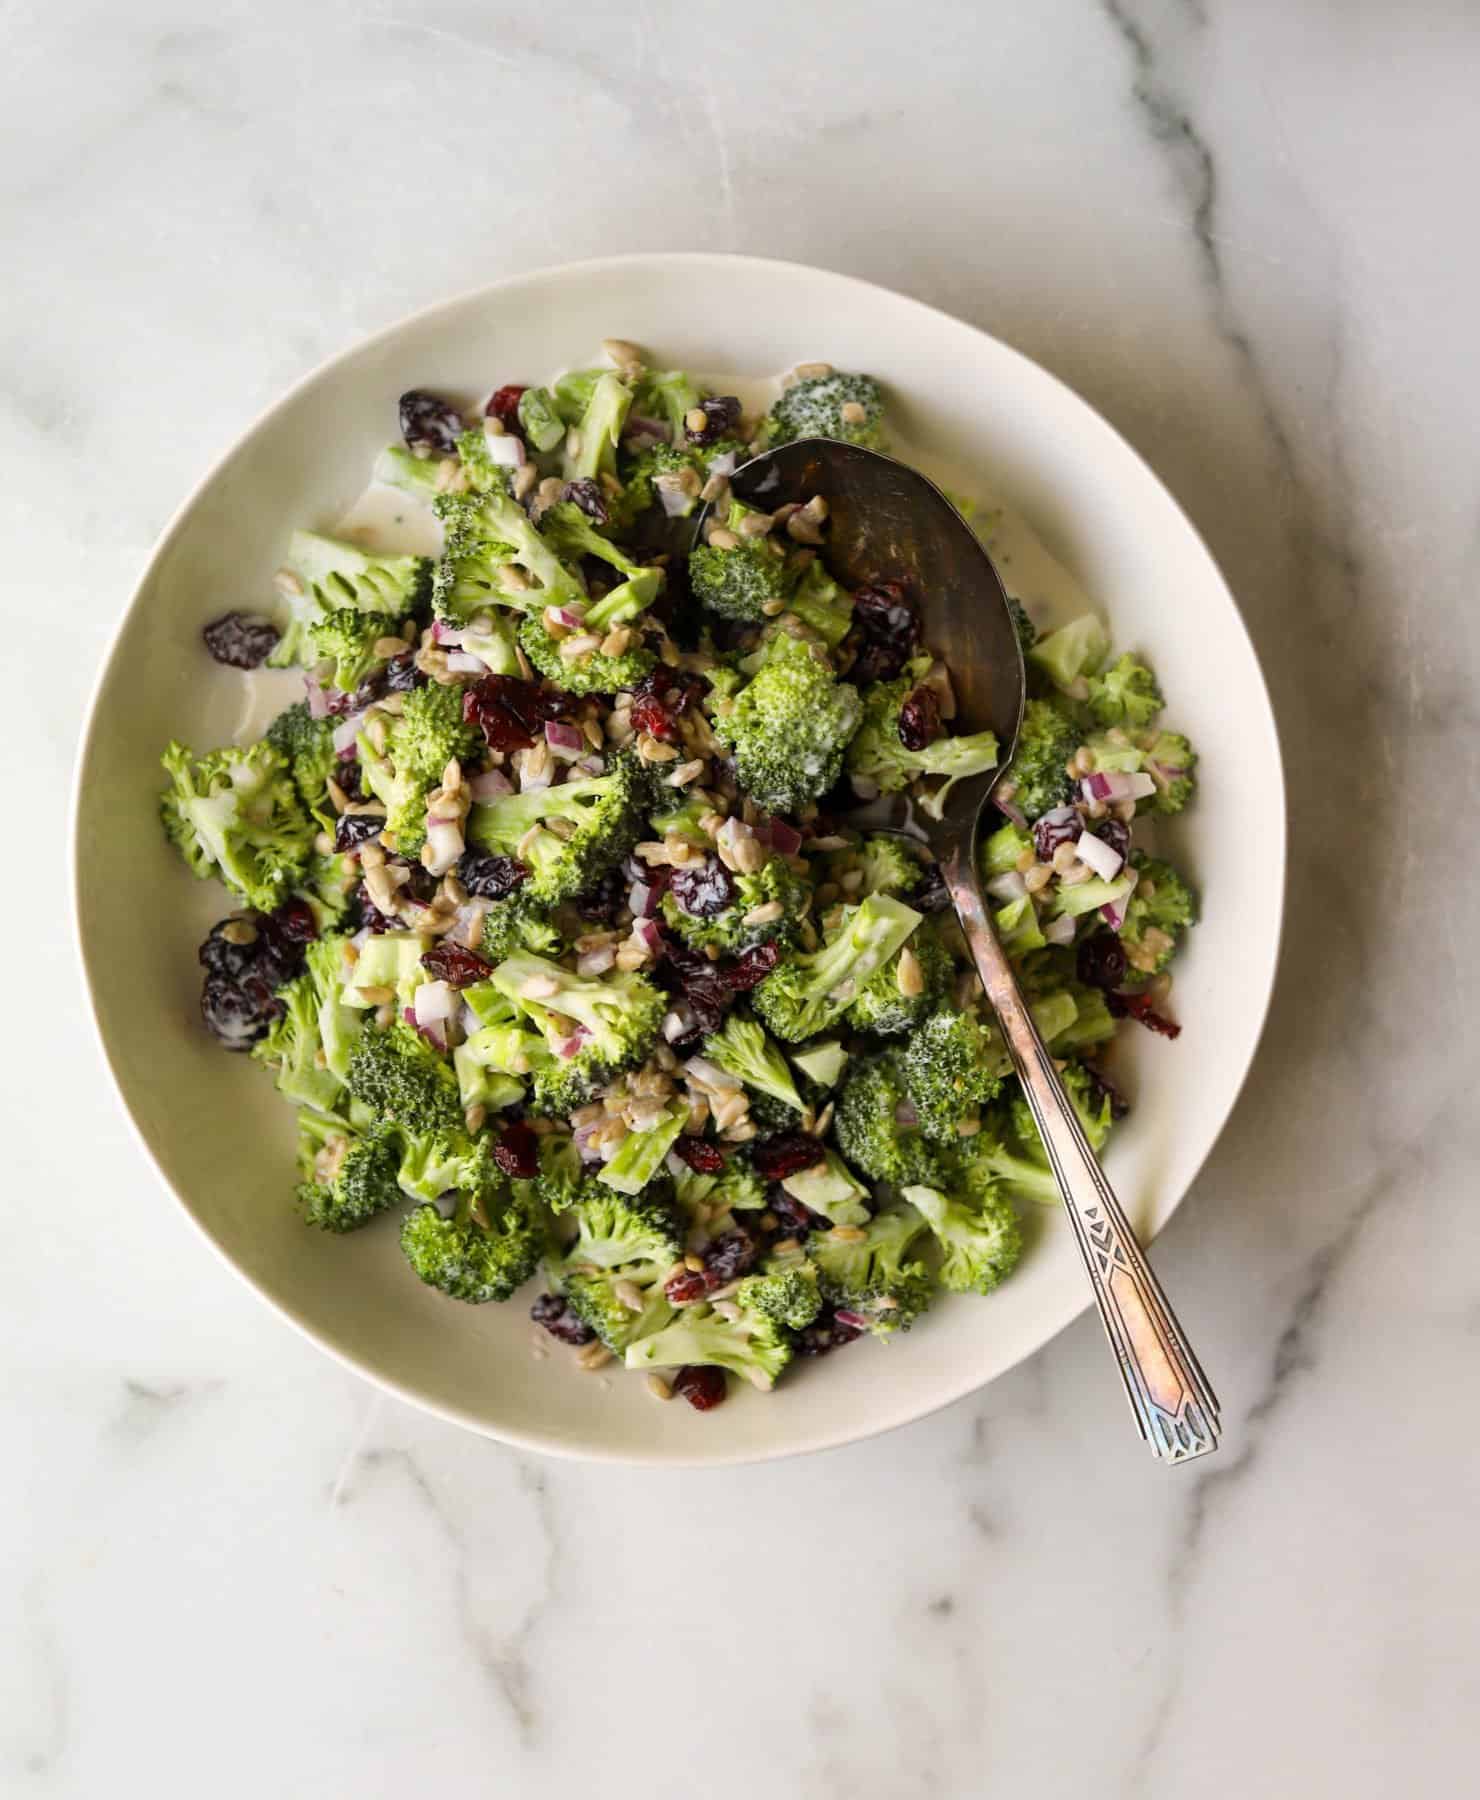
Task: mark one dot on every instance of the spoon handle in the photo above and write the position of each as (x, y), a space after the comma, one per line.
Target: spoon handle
(1174, 1405)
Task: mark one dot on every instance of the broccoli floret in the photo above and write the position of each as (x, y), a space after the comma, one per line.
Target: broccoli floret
(307, 746)
(328, 885)
(742, 1048)
(431, 732)
(347, 639)
(558, 1184)
(747, 582)
(571, 392)
(401, 792)
(293, 1047)
(1072, 653)
(1124, 694)
(822, 606)
(594, 670)
(979, 1236)
(685, 821)
(591, 448)
(752, 1346)
(951, 1067)
(893, 1000)
(519, 923)
(1093, 1022)
(828, 406)
(736, 930)
(612, 1021)
(996, 1160)
(332, 576)
(877, 753)
(398, 1075)
(831, 1188)
(572, 534)
(875, 1276)
(607, 812)
(1017, 928)
(486, 1250)
(348, 1177)
(435, 1162)
(736, 1188)
(887, 863)
(1038, 773)
(614, 1229)
(1166, 756)
(785, 1292)
(806, 994)
(236, 814)
(1003, 850)
(789, 728)
(666, 394)
(641, 1154)
(599, 1299)
(661, 473)
(772, 1117)
(1161, 906)
(875, 1127)
(1090, 1100)
(540, 424)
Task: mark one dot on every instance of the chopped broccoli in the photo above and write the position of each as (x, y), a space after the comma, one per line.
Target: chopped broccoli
(236, 814)
(540, 425)
(348, 1177)
(874, 1276)
(735, 930)
(736, 1188)
(599, 1299)
(333, 576)
(606, 810)
(891, 1002)
(875, 1127)
(828, 406)
(641, 1154)
(742, 1049)
(786, 1292)
(978, 1234)
(1092, 1104)
(294, 1048)
(821, 1063)
(1124, 694)
(666, 394)
(830, 1188)
(594, 670)
(877, 753)
(436, 1161)
(614, 1229)
(1166, 756)
(1038, 773)
(484, 1251)
(558, 1184)
(572, 534)
(789, 728)
(1161, 906)
(745, 583)
(347, 639)
(431, 731)
(888, 865)
(611, 1020)
(1027, 631)
(519, 923)
(1017, 928)
(398, 1075)
(951, 1067)
(328, 885)
(591, 448)
(571, 392)
(807, 993)
(1072, 653)
(752, 1346)
(307, 745)
(822, 606)
(1003, 850)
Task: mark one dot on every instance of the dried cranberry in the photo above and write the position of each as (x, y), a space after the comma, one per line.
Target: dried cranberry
(793, 1219)
(458, 966)
(701, 1384)
(510, 713)
(503, 405)
(603, 900)
(1100, 960)
(237, 997)
(703, 889)
(517, 1152)
(886, 629)
(701, 1156)
(420, 884)
(350, 777)
(731, 1255)
(353, 829)
(1138, 1006)
(551, 1311)
(1115, 834)
(371, 917)
(752, 968)
(237, 1013)
(488, 876)
(426, 419)
(241, 640)
(588, 497)
(294, 922)
(660, 700)
(690, 975)
(398, 676)
(788, 1154)
(1062, 825)
(826, 1333)
(919, 718)
(687, 1286)
(222, 956)
(721, 416)
(1107, 1090)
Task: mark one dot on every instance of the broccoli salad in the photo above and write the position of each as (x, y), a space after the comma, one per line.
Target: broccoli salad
(550, 923)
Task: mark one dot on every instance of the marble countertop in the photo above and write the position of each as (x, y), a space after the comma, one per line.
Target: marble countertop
(1241, 232)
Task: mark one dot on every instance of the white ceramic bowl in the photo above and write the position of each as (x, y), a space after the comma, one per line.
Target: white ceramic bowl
(994, 424)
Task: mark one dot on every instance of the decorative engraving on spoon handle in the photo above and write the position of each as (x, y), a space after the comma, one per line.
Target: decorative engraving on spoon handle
(1170, 1396)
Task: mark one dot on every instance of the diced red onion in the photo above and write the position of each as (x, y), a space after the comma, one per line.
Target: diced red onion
(596, 962)
(1093, 850)
(571, 617)
(649, 933)
(490, 785)
(433, 1002)
(1060, 930)
(433, 1034)
(318, 700)
(447, 845)
(642, 900)
(506, 449)
(678, 1023)
(573, 1043)
(1114, 914)
(1008, 887)
(786, 840)
(1114, 786)
(463, 662)
(723, 464)
(676, 1166)
(567, 741)
(447, 634)
(854, 1320)
(905, 1114)
(347, 730)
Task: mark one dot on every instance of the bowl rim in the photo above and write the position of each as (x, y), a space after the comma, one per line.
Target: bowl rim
(589, 268)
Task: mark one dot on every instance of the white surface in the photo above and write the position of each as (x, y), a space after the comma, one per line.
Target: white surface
(997, 425)
(1242, 232)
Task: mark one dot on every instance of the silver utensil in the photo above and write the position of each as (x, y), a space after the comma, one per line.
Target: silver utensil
(887, 522)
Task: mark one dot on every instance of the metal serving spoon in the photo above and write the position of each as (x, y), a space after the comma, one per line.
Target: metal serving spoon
(890, 523)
